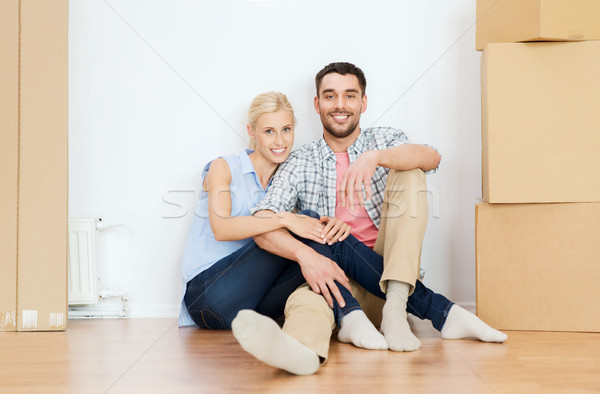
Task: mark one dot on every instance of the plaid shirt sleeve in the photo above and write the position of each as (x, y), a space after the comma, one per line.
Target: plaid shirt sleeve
(398, 137)
(282, 194)
(438, 166)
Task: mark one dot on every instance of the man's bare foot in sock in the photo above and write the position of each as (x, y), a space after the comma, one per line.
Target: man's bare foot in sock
(394, 323)
(461, 323)
(356, 328)
(263, 338)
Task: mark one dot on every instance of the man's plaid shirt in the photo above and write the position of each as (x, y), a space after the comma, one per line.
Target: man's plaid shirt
(307, 180)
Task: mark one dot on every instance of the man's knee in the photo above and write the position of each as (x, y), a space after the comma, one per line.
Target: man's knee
(407, 178)
(406, 191)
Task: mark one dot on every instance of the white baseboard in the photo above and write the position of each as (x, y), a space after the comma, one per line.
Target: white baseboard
(470, 306)
(104, 311)
(96, 311)
(154, 311)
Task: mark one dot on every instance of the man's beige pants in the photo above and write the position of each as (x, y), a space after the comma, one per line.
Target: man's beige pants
(404, 216)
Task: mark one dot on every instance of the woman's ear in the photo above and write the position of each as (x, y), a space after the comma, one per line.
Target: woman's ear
(251, 137)
(250, 131)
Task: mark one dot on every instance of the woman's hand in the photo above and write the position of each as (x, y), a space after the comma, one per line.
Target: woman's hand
(335, 230)
(304, 226)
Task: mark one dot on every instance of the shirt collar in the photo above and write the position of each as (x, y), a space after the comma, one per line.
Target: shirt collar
(247, 166)
(324, 150)
(357, 147)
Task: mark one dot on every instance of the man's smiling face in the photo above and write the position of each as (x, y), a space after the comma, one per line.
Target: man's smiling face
(340, 102)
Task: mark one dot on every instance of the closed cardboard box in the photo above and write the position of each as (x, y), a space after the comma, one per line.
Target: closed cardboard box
(536, 20)
(541, 122)
(34, 163)
(9, 156)
(537, 266)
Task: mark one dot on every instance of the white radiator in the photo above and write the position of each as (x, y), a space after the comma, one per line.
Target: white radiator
(83, 283)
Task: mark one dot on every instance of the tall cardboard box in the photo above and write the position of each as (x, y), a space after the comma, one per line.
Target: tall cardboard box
(34, 162)
(9, 159)
(536, 20)
(537, 266)
(43, 170)
(541, 122)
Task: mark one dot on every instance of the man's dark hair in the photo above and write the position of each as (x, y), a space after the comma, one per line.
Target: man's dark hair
(342, 68)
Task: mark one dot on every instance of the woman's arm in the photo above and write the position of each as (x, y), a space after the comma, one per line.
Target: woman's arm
(231, 228)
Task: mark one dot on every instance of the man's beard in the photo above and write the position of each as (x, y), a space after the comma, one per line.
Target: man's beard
(342, 133)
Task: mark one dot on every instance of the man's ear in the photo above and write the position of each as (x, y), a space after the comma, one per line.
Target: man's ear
(364, 103)
(316, 103)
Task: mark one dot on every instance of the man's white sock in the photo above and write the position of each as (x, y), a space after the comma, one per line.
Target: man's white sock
(461, 323)
(263, 338)
(394, 323)
(356, 328)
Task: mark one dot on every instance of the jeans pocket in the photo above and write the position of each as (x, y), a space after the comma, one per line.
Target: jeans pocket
(206, 318)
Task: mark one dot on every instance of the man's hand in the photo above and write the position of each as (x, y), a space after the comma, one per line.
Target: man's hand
(358, 178)
(335, 230)
(320, 273)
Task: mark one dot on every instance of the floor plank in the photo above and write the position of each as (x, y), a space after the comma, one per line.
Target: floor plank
(87, 358)
(544, 362)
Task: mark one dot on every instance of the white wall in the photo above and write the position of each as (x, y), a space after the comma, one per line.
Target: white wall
(158, 88)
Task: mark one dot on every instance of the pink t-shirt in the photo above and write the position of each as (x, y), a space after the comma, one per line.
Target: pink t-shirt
(362, 225)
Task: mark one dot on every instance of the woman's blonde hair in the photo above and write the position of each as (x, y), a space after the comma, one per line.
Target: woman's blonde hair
(266, 103)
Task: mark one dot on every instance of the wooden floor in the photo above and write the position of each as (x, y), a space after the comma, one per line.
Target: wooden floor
(154, 356)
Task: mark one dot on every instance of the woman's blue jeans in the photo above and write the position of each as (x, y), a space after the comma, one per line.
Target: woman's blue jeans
(252, 278)
(249, 278)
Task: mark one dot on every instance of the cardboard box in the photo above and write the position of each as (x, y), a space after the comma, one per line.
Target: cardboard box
(536, 20)
(34, 162)
(9, 139)
(537, 266)
(541, 122)
(43, 169)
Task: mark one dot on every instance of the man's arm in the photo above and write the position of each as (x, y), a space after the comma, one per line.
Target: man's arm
(407, 157)
(402, 157)
(319, 271)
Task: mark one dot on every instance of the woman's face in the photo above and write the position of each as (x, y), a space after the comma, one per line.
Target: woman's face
(274, 135)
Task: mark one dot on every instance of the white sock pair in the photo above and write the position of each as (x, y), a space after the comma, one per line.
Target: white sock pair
(264, 339)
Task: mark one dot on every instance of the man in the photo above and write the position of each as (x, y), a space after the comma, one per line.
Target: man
(374, 180)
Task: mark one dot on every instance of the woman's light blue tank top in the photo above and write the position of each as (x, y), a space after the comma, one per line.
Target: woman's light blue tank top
(202, 250)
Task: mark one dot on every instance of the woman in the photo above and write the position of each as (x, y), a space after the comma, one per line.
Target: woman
(225, 271)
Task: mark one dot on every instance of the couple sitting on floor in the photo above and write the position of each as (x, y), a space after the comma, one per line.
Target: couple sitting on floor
(276, 232)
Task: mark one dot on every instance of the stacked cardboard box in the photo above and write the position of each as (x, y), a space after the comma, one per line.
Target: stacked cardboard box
(33, 165)
(536, 20)
(537, 232)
